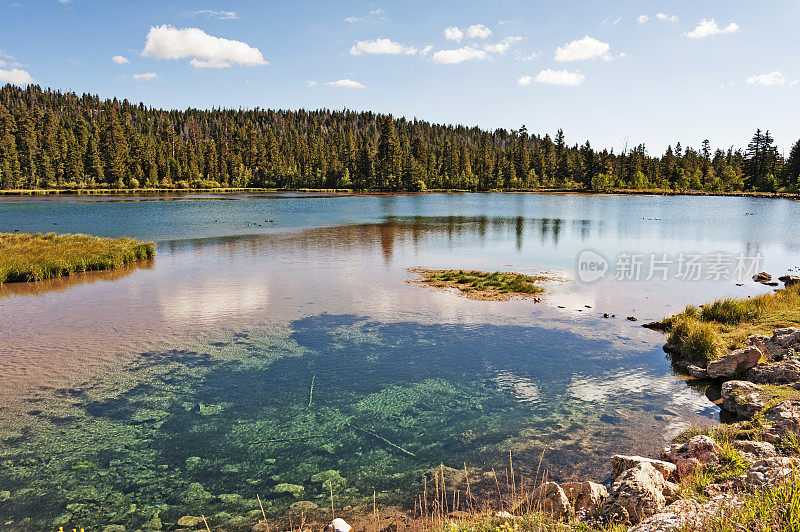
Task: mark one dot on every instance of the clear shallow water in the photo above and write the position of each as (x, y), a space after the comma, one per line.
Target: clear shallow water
(128, 387)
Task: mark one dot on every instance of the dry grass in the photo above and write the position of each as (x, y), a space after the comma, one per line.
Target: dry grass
(35, 257)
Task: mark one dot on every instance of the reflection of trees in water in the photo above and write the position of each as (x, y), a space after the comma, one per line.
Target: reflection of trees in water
(74, 279)
(395, 231)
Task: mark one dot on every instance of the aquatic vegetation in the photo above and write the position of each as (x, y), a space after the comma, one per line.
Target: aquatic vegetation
(483, 285)
(35, 257)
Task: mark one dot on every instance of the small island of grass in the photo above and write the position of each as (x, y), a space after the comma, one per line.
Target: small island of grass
(485, 286)
(35, 257)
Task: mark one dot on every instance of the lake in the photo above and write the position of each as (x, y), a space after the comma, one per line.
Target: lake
(276, 347)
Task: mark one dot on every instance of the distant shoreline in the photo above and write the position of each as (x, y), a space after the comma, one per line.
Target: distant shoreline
(232, 190)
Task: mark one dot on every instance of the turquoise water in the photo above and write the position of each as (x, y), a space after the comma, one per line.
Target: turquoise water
(284, 358)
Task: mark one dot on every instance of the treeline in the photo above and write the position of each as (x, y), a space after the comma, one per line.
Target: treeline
(50, 139)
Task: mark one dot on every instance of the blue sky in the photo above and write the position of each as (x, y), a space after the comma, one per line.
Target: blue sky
(614, 73)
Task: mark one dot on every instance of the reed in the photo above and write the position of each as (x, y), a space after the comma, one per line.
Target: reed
(36, 257)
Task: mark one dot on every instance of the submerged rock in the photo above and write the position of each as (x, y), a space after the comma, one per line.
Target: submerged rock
(742, 398)
(734, 363)
(785, 372)
(621, 463)
(639, 492)
(189, 521)
(338, 525)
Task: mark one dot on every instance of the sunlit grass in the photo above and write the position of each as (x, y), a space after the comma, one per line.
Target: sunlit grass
(487, 284)
(35, 257)
(703, 334)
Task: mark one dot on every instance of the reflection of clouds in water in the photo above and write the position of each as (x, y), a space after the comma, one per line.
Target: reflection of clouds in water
(599, 389)
(524, 389)
(213, 300)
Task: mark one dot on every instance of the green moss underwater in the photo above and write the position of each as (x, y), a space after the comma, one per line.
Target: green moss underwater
(331, 403)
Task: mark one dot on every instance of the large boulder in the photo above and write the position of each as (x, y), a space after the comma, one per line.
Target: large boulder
(783, 418)
(680, 515)
(753, 451)
(638, 493)
(772, 469)
(786, 337)
(586, 497)
(621, 463)
(550, 499)
(695, 453)
(785, 372)
(742, 398)
(734, 363)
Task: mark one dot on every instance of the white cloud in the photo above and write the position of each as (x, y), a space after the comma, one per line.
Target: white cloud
(582, 49)
(560, 77)
(311, 83)
(772, 79)
(426, 50)
(478, 31)
(503, 22)
(376, 15)
(524, 81)
(346, 83)
(709, 27)
(147, 76)
(526, 58)
(120, 60)
(642, 19)
(15, 76)
(352, 19)
(453, 34)
(376, 12)
(501, 47)
(381, 46)
(64, 1)
(667, 18)
(453, 57)
(209, 13)
(206, 51)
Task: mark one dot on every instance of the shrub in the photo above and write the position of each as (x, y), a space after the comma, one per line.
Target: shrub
(697, 341)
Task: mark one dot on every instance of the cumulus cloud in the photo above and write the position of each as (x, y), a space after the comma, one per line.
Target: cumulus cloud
(209, 13)
(205, 51)
(381, 46)
(667, 18)
(478, 31)
(453, 33)
(524, 81)
(346, 83)
(147, 76)
(120, 60)
(15, 76)
(453, 57)
(560, 77)
(582, 49)
(709, 27)
(642, 19)
(772, 79)
(501, 47)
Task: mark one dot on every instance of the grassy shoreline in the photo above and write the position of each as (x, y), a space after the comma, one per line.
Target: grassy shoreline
(240, 190)
(35, 257)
